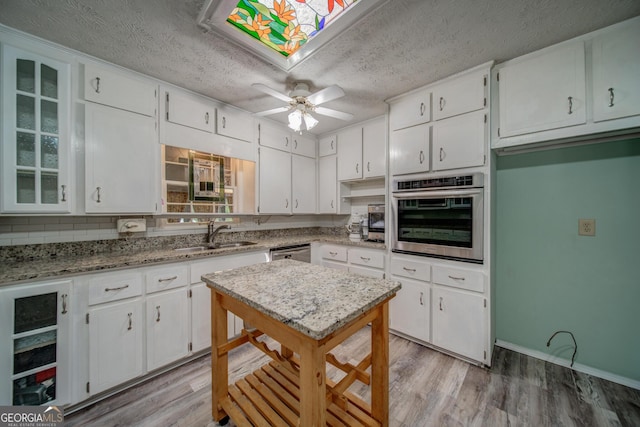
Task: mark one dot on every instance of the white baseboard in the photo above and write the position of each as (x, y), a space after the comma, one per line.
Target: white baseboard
(576, 366)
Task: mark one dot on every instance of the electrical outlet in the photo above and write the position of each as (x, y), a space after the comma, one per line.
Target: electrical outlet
(586, 227)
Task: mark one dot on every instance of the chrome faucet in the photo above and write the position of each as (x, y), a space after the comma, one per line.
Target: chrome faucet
(212, 232)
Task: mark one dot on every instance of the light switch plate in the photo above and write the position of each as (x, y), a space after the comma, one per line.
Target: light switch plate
(134, 225)
(587, 227)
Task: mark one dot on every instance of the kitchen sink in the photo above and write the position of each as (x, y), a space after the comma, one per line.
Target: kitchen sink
(195, 249)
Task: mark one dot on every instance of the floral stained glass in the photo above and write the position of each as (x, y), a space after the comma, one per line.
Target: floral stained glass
(286, 25)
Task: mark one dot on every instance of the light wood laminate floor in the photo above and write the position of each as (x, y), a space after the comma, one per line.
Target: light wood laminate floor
(426, 388)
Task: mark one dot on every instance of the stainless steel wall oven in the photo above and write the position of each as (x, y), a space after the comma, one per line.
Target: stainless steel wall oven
(440, 217)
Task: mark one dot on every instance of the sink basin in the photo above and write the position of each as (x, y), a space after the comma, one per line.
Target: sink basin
(233, 244)
(192, 249)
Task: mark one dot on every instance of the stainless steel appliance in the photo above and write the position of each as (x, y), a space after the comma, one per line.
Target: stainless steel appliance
(440, 217)
(376, 223)
(295, 252)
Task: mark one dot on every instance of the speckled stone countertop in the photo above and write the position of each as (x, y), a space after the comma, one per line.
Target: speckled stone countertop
(12, 272)
(312, 299)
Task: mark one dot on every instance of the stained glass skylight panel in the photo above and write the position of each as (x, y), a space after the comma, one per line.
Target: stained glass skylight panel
(286, 25)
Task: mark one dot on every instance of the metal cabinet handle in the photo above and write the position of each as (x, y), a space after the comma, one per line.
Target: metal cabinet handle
(422, 108)
(332, 204)
(440, 303)
(116, 289)
(611, 96)
(130, 321)
(97, 85)
(412, 270)
(332, 144)
(570, 104)
(441, 154)
(168, 279)
(64, 304)
(224, 122)
(296, 203)
(206, 117)
(286, 144)
(158, 313)
(286, 205)
(357, 167)
(64, 192)
(421, 295)
(421, 157)
(98, 191)
(441, 103)
(364, 258)
(295, 144)
(456, 278)
(333, 253)
(368, 166)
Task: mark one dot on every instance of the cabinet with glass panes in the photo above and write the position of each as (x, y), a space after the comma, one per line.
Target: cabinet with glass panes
(36, 320)
(35, 150)
(195, 182)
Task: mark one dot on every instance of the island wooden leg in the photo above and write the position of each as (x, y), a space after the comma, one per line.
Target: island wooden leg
(312, 386)
(380, 365)
(219, 363)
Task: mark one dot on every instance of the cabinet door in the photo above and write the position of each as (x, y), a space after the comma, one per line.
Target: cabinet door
(35, 148)
(36, 358)
(303, 184)
(459, 96)
(327, 185)
(234, 123)
(189, 111)
(304, 146)
(274, 136)
(275, 181)
(327, 146)
(616, 67)
(409, 151)
(122, 161)
(411, 110)
(543, 92)
(115, 344)
(107, 87)
(459, 323)
(374, 159)
(350, 154)
(459, 142)
(167, 327)
(409, 310)
(200, 317)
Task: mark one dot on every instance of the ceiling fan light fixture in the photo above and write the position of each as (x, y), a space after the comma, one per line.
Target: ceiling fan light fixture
(309, 121)
(295, 120)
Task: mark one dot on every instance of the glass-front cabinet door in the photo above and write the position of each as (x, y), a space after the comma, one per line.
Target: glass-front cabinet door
(35, 148)
(34, 365)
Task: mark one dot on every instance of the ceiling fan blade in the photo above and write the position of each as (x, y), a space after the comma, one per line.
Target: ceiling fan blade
(325, 95)
(272, 111)
(272, 92)
(333, 113)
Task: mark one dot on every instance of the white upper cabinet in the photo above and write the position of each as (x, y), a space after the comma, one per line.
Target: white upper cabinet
(616, 73)
(275, 181)
(234, 123)
(460, 141)
(374, 148)
(460, 95)
(411, 110)
(545, 91)
(327, 145)
(36, 175)
(409, 150)
(304, 145)
(274, 136)
(190, 111)
(350, 154)
(115, 89)
(303, 184)
(327, 185)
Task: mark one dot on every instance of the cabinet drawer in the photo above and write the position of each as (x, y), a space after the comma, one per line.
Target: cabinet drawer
(335, 253)
(167, 278)
(367, 272)
(411, 269)
(459, 278)
(366, 257)
(114, 287)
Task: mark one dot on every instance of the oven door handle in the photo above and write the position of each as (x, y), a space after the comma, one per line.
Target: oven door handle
(437, 194)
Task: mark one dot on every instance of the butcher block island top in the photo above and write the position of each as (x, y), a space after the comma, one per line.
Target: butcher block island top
(309, 310)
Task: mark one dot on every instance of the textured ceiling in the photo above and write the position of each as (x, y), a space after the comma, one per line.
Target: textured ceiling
(403, 45)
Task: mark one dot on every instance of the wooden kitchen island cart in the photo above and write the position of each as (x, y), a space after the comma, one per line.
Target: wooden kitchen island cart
(309, 310)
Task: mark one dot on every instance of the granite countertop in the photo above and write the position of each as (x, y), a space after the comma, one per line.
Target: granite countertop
(57, 267)
(312, 299)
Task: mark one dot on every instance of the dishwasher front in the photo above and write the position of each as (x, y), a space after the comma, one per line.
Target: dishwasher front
(295, 252)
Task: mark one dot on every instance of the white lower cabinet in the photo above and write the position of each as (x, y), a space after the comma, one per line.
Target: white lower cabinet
(361, 261)
(409, 310)
(167, 327)
(115, 344)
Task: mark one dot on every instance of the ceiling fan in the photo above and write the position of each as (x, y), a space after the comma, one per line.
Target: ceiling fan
(301, 102)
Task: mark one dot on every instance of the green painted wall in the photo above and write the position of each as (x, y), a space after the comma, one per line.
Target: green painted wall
(549, 278)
